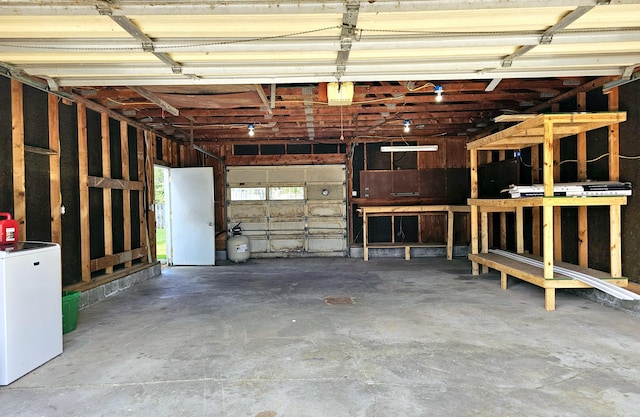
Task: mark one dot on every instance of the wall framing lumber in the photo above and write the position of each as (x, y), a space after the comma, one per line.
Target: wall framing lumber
(126, 194)
(144, 238)
(54, 169)
(117, 258)
(17, 139)
(83, 171)
(581, 156)
(116, 184)
(106, 193)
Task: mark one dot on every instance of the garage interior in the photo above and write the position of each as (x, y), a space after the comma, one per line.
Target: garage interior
(370, 290)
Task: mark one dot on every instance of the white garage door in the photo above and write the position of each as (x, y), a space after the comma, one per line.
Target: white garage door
(290, 210)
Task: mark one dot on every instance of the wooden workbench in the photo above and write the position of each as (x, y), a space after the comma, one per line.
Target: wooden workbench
(392, 211)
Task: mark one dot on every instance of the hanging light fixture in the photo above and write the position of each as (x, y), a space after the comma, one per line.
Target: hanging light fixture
(252, 128)
(407, 124)
(438, 90)
(409, 148)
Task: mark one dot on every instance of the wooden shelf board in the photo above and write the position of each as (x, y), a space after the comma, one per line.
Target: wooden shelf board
(534, 275)
(486, 203)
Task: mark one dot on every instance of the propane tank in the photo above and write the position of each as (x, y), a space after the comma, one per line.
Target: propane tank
(238, 249)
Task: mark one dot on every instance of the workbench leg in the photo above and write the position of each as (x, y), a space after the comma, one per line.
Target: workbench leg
(365, 237)
(503, 280)
(450, 235)
(407, 253)
(549, 299)
(484, 232)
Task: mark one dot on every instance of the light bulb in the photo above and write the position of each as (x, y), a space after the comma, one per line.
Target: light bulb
(407, 124)
(438, 90)
(251, 129)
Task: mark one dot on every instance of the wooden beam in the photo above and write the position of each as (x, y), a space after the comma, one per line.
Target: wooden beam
(83, 173)
(156, 100)
(109, 261)
(106, 192)
(114, 184)
(17, 141)
(614, 139)
(547, 212)
(535, 211)
(150, 143)
(54, 170)
(581, 152)
(144, 236)
(473, 163)
(615, 249)
(126, 194)
(557, 211)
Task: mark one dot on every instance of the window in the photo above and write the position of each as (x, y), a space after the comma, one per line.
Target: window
(248, 194)
(286, 193)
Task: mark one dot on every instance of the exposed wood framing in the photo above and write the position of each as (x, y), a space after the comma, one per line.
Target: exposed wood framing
(106, 192)
(83, 171)
(126, 194)
(117, 258)
(101, 182)
(581, 153)
(144, 238)
(17, 138)
(150, 141)
(535, 211)
(54, 170)
(614, 138)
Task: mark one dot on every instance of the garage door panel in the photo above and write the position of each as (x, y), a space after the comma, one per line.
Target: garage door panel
(291, 227)
(248, 211)
(258, 244)
(328, 175)
(286, 210)
(326, 209)
(250, 175)
(287, 175)
(287, 245)
(327, 244)
(325, 192)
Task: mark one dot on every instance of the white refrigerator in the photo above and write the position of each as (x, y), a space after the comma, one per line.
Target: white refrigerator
(30, 307)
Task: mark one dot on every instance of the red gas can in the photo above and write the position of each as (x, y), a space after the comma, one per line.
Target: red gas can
(9, 229)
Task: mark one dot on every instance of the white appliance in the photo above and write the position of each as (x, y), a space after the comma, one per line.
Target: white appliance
(30, 307)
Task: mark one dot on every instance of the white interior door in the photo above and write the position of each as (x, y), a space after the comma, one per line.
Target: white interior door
(191, 231)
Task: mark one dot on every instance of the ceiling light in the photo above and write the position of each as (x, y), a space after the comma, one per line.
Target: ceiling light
(340, 94)
(409, 148)
(407, 124)
(438, 90)
(252, 128)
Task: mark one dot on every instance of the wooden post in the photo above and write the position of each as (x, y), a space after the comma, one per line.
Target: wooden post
(615, 212)
(581, 152)
(450, 214)
(535, 211)
(484, 227)
(364, 235)
(519, 229)
(557, 211)
(502, 155)
(615, 240)
(150, 143)
(126, 193)
(17, 140)
(54, 170)
(106, 192)
(141, 208)
(83, 172)
(614, 139)
(473, 162)
(548, 212)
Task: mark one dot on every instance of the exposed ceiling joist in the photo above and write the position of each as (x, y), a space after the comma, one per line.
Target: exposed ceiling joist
(155, 99)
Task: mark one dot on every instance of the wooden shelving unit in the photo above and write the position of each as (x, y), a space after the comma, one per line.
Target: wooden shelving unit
(542, 129)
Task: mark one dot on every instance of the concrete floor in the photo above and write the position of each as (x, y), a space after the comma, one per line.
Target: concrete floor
(423, 338)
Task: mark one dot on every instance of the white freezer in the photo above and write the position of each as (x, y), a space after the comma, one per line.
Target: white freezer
(30, 307)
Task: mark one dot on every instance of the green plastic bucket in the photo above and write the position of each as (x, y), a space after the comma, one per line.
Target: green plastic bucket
(70, 303)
